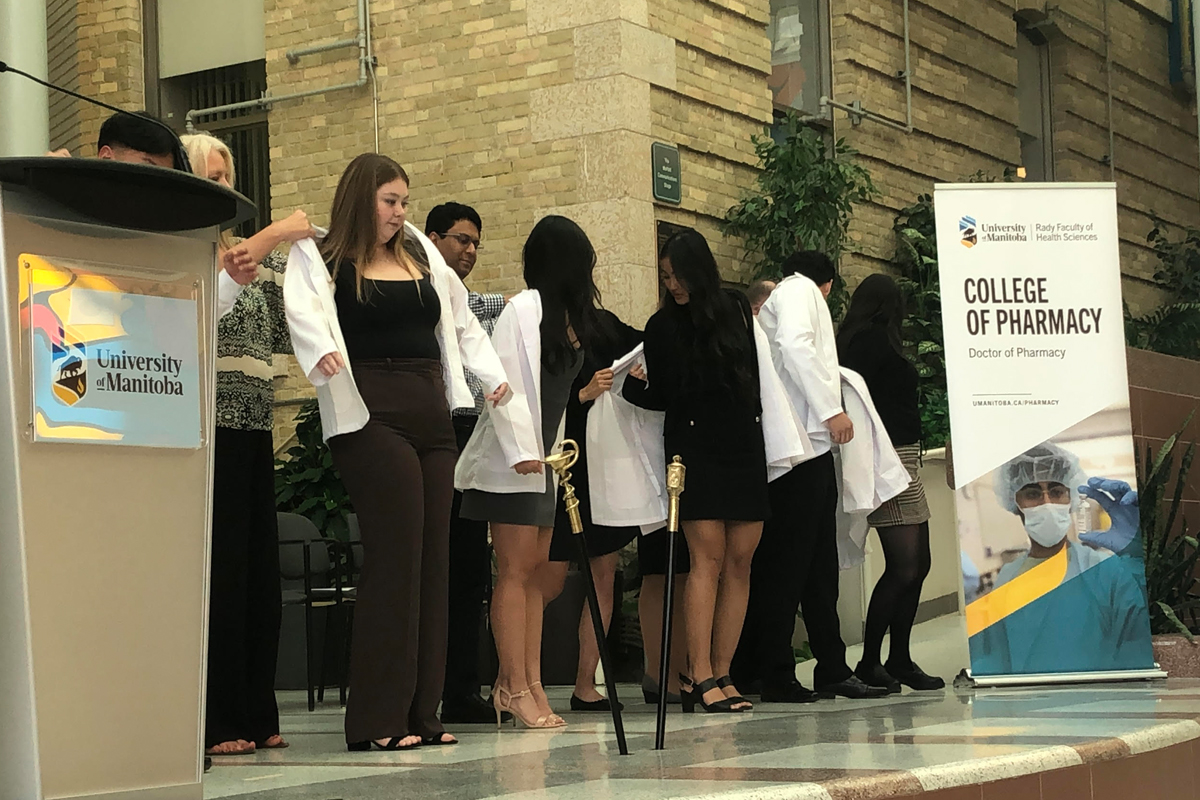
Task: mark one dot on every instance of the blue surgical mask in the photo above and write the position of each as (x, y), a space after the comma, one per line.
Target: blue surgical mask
(1048, 523)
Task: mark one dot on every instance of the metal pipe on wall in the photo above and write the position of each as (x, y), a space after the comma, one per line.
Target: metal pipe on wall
(855, 109)
(1108, 74)
(267, 101)
(1196, 65)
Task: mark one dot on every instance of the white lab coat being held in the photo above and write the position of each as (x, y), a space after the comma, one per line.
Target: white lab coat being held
(869, 471)
(630, 489)
(312, 319)
(511, 433)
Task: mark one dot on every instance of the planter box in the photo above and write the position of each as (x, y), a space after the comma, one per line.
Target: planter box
(1178, 657)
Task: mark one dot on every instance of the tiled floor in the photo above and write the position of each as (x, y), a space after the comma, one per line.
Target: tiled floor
(947, 743)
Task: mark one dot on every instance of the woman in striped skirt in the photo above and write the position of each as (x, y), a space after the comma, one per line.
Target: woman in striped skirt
(869, 343)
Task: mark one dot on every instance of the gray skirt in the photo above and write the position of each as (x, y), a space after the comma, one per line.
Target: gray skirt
(909, 507)
(519, 508)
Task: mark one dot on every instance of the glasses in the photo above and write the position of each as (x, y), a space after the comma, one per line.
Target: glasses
(465, 240)
(1032, 494)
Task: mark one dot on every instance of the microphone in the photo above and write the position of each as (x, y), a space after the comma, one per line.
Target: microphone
(179, 156)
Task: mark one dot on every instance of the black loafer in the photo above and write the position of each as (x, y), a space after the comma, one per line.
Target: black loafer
(852, 688)
(877, 676)
(793, 692)
(470, 710)
(915, 678)
(593, 705)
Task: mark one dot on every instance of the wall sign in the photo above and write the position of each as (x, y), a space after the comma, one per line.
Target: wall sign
(668, 188)
(114, 356)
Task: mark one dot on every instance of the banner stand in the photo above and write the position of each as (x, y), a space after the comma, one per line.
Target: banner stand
(1046, 502)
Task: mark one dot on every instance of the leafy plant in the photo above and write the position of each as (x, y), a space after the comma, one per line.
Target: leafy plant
(1172, 330)
(1171, 556)
(1174, 327)
(916, 259)
(307, 483)
(805, 196)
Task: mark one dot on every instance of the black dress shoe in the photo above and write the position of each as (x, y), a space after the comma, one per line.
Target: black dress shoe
(853, 688)
(915, 678)
(793, 692)
(593, 705)
(876, 675)
(470, 710)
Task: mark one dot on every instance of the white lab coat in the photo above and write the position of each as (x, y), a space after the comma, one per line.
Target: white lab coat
(626, 463)
(312, 319)
(630, 489)
(797, 323)
(511, 433)
(869, 471)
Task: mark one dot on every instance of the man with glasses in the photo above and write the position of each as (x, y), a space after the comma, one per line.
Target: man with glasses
(455, 230)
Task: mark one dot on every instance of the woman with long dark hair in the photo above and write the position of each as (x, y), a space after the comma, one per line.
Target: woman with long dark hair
(381, 326)
(604, 542)
(869, 342)
(702, 370)
(540, 337)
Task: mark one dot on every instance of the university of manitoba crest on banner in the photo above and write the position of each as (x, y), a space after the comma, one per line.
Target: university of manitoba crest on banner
(1046, 495)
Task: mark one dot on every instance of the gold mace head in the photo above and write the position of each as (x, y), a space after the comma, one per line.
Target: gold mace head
(565, 458)
(676, 473)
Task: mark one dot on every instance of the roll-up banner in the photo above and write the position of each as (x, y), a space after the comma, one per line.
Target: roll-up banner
(1042, 444)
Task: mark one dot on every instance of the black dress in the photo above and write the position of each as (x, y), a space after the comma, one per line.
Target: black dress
(601, 539)
(718, 436)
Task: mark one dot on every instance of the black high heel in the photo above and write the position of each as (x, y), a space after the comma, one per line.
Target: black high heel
(693, 693)
(392, 744)
(737, 699)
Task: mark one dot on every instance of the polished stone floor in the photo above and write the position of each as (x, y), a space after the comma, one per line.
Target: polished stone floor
(910, 742)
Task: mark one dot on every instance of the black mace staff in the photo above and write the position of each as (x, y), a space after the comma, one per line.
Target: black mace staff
(676, 474)
(561, 462)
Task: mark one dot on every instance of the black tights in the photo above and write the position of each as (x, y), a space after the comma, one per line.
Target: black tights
(896, 596)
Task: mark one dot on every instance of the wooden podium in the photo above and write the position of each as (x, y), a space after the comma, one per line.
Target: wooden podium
(107, 322)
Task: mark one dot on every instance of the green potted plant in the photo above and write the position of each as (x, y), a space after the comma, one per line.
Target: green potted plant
(804, 198)
(307, 483)
(1172, 554)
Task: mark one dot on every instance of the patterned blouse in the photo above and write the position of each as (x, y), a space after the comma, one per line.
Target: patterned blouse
(487, 309)
(247, 337)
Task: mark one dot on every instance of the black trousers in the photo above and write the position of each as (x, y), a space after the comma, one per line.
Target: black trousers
(795, 566)
(399, 471)
(244, 601)
(470, 584)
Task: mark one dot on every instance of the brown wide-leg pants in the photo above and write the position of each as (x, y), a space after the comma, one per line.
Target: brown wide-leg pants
(399, 471)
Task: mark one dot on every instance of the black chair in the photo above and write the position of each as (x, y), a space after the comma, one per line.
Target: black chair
(349, 569)
(307, 558)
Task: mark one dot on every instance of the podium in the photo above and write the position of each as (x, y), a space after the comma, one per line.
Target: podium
(107, 326)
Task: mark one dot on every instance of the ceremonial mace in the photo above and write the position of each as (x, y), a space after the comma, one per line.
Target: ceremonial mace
(561, 462)
(676, 473)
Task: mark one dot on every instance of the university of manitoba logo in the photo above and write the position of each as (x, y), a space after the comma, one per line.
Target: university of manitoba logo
(967, 229)
(70, 373)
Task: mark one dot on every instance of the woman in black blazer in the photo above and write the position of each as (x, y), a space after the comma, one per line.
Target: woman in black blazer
(702, 370)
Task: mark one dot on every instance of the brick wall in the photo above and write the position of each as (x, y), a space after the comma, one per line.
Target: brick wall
(965, 110)
(95, 48)
(719, 101)
(62, 49)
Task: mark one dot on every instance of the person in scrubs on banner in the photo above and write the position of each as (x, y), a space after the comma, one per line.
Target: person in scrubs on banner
(1065, 606)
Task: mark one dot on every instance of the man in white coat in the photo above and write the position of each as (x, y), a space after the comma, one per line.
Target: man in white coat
(796, 564)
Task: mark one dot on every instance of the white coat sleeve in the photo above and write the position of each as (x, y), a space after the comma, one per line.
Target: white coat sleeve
(228, 291)
(478, 354)
(796, 336)
(514, 422)
(308, 324)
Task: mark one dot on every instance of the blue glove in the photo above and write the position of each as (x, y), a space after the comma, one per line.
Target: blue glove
(1120, 502)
